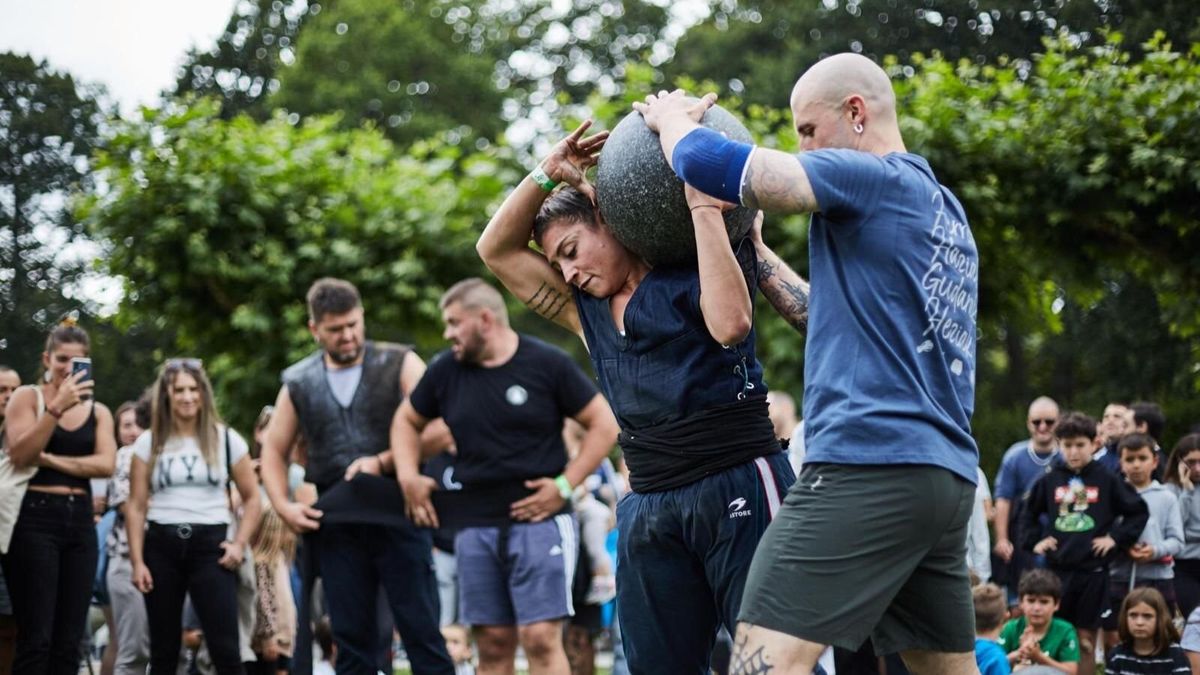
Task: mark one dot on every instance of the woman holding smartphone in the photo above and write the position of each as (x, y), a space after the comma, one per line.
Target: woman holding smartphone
(178, 517)
(51, 559)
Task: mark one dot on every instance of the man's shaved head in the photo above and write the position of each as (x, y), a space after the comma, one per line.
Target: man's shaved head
(846, 101)
(834, 79)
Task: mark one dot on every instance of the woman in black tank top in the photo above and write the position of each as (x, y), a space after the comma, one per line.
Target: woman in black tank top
(52, 556)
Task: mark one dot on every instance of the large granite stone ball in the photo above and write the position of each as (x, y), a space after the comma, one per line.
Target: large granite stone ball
(642, 199)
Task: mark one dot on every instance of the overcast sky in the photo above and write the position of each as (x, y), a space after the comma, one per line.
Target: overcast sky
(132, 47)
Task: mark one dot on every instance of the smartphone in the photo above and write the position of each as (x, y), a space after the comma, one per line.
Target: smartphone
(82, 364)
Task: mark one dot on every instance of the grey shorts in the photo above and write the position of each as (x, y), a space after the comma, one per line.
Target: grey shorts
(517, 575)
(868, 550)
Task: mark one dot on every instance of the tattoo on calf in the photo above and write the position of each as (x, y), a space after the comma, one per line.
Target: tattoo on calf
(747, 662)
(547, 301)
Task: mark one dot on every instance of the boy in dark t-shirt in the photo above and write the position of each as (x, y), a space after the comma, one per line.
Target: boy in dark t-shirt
(1093, 515)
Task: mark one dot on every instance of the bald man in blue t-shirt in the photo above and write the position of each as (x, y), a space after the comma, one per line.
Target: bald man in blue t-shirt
(871, 539)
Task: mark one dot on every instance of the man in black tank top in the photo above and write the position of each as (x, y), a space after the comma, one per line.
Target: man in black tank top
(342, 399)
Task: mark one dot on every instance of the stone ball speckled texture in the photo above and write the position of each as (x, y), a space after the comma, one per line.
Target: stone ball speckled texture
(642, 199)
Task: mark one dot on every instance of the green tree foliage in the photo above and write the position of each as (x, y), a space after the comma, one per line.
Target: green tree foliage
(220, 227)
(419, 67)
(1080, 168)
(397, 65)
(240, 69)
(548, 53)
(761, 46)
(48, 124)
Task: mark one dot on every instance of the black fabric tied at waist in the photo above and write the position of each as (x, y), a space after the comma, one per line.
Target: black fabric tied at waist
(673, 454)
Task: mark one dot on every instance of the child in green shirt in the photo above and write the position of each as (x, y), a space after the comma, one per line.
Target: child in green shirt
(1037, 637)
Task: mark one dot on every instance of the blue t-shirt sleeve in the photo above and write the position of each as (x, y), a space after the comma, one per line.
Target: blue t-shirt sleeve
(846, 183)
(424, 396)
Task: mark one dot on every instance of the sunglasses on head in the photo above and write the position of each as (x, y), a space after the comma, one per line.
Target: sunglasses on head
(189, 363)
(1046, 422)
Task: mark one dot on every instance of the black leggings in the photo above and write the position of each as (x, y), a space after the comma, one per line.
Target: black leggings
(183, 561)
(1187, 584)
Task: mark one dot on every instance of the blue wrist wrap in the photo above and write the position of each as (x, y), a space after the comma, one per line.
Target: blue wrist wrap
(711, 163)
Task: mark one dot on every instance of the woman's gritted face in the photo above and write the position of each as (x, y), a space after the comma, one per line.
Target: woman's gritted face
(588, 255)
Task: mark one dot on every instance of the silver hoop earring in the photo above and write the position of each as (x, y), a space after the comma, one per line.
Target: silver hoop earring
(47, 376)
(858, 128)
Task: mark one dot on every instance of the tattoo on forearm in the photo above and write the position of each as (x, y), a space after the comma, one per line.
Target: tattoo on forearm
(786, 291)
(748, 662)
(547, 301)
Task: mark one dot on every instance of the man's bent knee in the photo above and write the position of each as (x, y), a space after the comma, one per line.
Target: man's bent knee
(762, 650)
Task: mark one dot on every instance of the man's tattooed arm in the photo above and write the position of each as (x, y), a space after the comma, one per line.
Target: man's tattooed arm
(775, 182)
(746, 661)
(548, 301)
(785, 290)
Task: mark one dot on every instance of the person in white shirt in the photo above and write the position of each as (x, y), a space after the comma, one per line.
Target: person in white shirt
(179, 515)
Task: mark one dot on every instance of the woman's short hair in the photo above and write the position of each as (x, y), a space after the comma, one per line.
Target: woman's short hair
(565, 203)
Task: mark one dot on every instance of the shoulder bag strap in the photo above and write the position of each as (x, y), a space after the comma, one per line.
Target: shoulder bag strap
(228, 467)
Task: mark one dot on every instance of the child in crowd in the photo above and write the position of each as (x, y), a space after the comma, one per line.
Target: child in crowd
(275, 618)
(1150, 561)
(458, 643)
(1148, 638)
(991, 608)
(1038, 637)
(1092, 515)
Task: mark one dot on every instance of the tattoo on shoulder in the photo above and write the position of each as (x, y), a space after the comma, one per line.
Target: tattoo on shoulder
(548, 301)
(749, 194)
(771, 186)
(746, 661)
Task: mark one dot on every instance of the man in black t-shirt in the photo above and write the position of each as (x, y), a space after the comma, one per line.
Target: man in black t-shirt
(505, 397)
